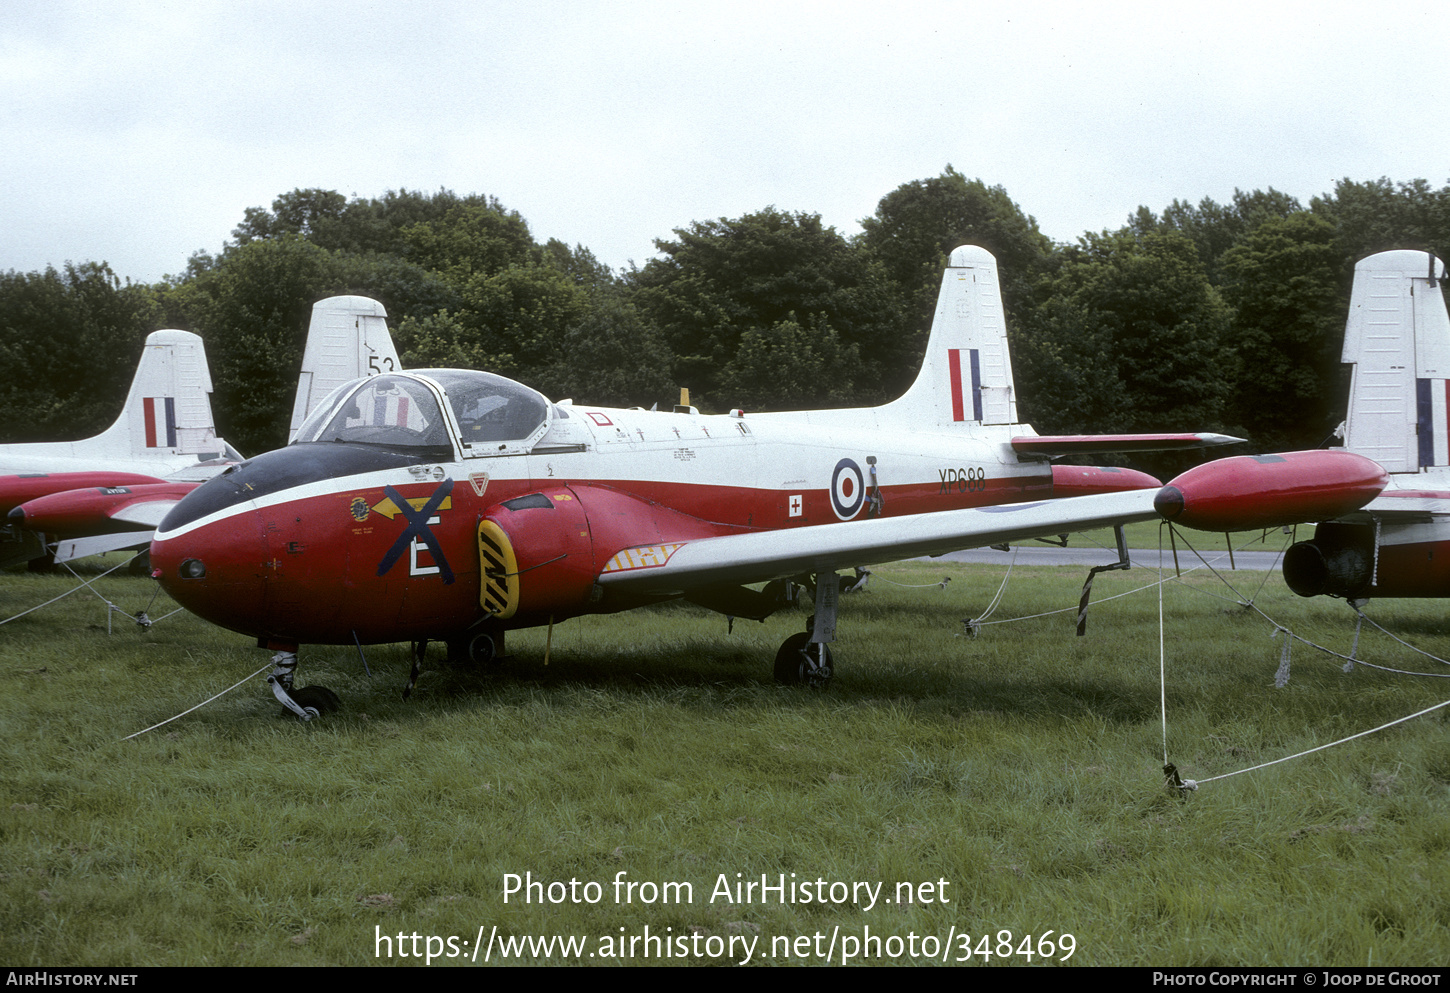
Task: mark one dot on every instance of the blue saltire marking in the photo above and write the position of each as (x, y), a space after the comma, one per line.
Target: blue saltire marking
(418, 528)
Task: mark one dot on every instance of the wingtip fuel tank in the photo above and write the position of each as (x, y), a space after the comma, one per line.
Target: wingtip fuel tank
(1248, 492)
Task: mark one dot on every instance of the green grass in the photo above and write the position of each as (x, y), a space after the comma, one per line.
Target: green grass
(1023, 767)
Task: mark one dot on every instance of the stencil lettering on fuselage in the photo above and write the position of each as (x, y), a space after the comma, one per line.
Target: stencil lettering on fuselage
(963, 480)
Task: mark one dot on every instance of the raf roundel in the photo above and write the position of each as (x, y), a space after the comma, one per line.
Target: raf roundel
(848, 489)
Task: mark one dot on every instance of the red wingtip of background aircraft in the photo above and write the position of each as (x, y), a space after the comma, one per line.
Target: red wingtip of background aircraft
(1248, 492)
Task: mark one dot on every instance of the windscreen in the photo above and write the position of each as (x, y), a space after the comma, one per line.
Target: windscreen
(397, 411)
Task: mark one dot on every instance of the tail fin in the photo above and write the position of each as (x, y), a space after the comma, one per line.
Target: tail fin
(347, 338)
(1398, 342)
(966, 377)
(168, 411)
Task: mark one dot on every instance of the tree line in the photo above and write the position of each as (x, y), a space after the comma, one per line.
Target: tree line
(1221, 317)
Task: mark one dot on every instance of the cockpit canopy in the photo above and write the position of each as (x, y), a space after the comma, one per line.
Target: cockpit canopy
(402, 410)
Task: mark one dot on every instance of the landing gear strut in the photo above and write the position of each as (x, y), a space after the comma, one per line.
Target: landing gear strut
(805, 659)
(307, 702)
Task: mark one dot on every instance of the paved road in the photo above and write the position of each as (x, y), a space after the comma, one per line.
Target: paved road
(1142, 558)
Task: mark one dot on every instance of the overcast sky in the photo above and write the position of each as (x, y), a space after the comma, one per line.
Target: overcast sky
(138, 133)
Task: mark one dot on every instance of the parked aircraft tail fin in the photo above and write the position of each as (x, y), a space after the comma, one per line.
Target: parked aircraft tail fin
(168, 410)
(966, 376)
(1397, 342)
(347, 338)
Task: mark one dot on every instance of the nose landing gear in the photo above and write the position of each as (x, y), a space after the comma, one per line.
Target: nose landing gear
(308, 701)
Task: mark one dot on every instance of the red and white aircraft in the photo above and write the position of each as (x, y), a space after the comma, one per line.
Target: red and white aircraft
(455, 504)
(1397, 543)
(110, 491)
(163, 445)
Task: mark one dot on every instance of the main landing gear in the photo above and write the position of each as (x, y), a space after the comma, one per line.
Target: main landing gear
(307, 702)
(805, 659)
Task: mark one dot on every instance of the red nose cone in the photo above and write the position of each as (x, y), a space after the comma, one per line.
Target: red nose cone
(218, 572)
(1249, 492)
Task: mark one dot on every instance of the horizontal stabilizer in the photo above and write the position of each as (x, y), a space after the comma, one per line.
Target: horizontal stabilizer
(1051, 446)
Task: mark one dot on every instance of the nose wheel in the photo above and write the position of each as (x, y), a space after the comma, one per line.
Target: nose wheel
(307, 702)
(317, 700)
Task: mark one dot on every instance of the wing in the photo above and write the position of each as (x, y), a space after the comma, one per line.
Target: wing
(758, 557)
(149, 513)
(79, 548)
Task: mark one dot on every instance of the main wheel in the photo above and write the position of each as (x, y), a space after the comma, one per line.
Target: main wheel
(318, 699)
(792, 668)
(483, 649)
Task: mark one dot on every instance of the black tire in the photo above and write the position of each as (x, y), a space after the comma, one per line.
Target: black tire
(319, 699)
(483, 650)
(791, 667)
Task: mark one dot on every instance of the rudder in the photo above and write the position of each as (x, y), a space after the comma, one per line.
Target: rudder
(1397, 341)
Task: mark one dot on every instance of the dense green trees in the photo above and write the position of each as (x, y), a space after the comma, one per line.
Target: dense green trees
(1283, 281)
(69, 343)
(728, 294)
(916, 226)
(1204, 316)
(1130, 336)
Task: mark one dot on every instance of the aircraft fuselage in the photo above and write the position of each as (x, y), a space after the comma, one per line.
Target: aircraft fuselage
(324, 542)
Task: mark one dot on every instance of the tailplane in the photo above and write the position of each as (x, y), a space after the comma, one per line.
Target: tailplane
(1397, 342)
(347, 338)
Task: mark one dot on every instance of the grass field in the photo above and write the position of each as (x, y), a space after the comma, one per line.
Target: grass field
(1018, 773)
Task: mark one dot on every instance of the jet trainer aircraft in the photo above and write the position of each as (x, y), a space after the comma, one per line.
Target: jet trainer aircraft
(456, 504)
(1393, 537)
(110, 491)
(163, 445)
